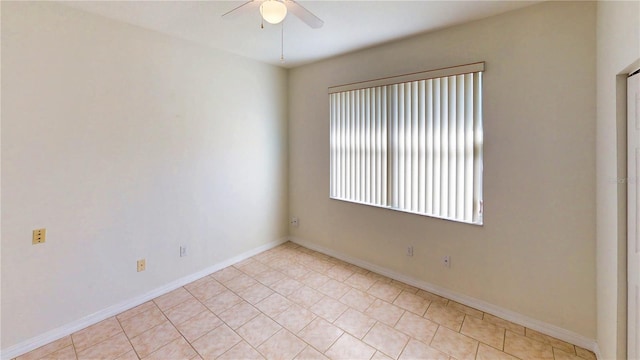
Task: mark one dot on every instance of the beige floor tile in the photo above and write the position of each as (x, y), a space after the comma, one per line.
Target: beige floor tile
(432, 297)
(47, 349)
(226, 274)
(335, 261)
(207, 290)
(295, 271)
(216, 342)
(287, 286)
(152, 340)
(465, 309)
(255, 293)
(295, 318)
(258, 329)
(241, 351)
(483, 331)
(339, 272)
(67, 353)
(253, 268)
(320, 334)
(199, 325)
(184, 311)
(563, 355)
(314, 280)
(319, 265)
(349, 348)
(357, 299)
(386, 339)
(130, 355)
(96, 333)
(177, 296)
(412, 302)
(384, 291)
(283, 345)
(222, 302)
(380, 356)
(334, 288)
(240, 283)
(310, 353)
(281, 262)
(358, 269)
(355, 323)
(348, 308)
(417, 327)
(274, 305)
(486, 352)
(360, 281)
(306, 297)
(270, 277)
(556, 343)
(526, 348)
(139, 323)
(328, 308)
(449, 317)
(406, 287)
(385, 312)
(518, 329)
(265, 256)
(416, 350)
(239, 314)
(136, 310)
(110, 348)
(379, 278)
(240, 264)
(178, 349)
(585, 354)
(194, 284)
(455, 344)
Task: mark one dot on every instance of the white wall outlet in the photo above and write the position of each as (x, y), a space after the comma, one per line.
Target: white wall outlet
(294, 221)
(446, 261)
(183, 251)
(409, 250)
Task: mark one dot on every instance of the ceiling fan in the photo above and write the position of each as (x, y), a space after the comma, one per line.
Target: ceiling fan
(275, 11)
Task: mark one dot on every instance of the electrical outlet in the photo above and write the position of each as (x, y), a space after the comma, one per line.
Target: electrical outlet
(409, 250)
(183, 251)
(446, 261)
(142, 265)
(39, 236)
(295, 222)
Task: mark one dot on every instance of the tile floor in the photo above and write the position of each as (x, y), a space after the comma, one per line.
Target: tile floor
(293, 303)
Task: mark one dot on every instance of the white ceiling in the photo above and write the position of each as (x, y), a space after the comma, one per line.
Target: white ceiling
(348, 25)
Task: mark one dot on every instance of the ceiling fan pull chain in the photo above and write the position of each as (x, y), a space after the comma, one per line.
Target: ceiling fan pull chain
(282, 43)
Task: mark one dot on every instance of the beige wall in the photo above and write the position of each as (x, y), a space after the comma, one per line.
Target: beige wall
(125, 144)
(618, 53)
(535, 255)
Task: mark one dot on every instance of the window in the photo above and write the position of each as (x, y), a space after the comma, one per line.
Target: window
(411, 143)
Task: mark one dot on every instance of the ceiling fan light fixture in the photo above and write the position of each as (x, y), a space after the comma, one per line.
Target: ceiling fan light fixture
(273, 11)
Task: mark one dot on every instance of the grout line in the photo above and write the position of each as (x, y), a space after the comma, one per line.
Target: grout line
(125, 335)
(274, 261)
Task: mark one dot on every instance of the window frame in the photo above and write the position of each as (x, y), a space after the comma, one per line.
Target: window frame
(391, 149)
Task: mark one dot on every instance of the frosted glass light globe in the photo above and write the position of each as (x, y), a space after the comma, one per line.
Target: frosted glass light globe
(273, 11)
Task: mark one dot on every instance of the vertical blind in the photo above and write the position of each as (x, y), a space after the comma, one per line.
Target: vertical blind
(411, 143)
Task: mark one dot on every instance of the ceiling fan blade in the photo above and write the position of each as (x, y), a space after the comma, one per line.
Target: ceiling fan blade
(303, 14)
(242, 9)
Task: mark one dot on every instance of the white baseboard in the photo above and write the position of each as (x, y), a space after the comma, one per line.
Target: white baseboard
(537, 325)
(68, 329)
(597, 352)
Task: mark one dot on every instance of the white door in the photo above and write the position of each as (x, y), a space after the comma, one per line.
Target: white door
(633, 216)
